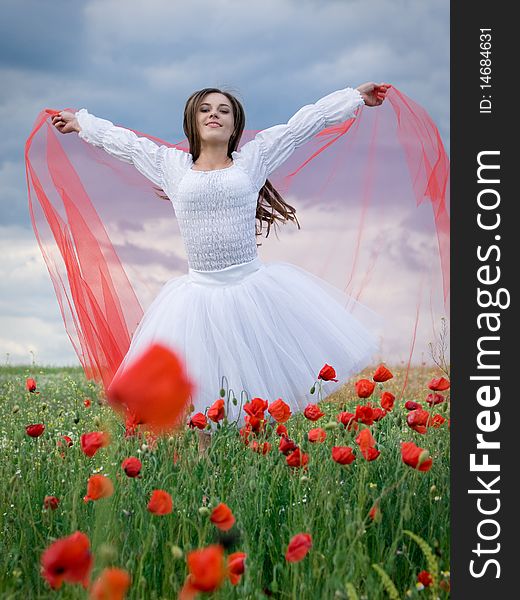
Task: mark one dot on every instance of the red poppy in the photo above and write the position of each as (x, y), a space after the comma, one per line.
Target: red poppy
(439, 384)
(98, 486)
(160, 503)
(35, 430)
(387, 401)
(66, 441)
(317, 435)
(425, 578)
(216, 411)
(280, 411)
(281, 430)
(365, 414)
(313, 412)
(286, 445)
(256, 408)
(236, 566)
(255, 423)
(92, 442)
(327, 373)
(68, 559)
(378, 413)
(418, 420)
(261, 448)
(30, 384)
(222, 517)
(415, 457)
(245, 433)
(297, 458)
(343, 455)
(436, 421)
(87, 402)
(112, 584)
(198, 420)
(51, 502)
(367, 443)
(382, 374)
(206, 571)
(132, 466)
(411, 405)
(374, 512)
(154, 390)
(348, 420)
(434, 398)
(298, 548)
(364, 388)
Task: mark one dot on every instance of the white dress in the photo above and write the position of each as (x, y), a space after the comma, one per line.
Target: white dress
(268, 327)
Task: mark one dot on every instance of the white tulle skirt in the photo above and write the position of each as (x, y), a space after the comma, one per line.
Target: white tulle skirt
(265, 329)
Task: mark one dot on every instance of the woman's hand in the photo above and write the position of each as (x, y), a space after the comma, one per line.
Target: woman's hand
(373, 93)
(66, 122)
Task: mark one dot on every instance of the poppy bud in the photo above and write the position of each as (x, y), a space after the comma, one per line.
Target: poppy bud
(331, 425)
(97, 421)
(222, 392)
(204, 511)
(177, 552)
(235, 401)
(16, 408)
(313, 389)
(76, 419)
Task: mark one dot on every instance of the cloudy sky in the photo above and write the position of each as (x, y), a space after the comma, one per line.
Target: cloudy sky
(136, 61)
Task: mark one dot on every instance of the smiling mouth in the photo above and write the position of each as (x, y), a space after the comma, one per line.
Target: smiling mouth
(213, 124)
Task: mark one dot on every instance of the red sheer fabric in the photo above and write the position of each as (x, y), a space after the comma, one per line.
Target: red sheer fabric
(371, 196)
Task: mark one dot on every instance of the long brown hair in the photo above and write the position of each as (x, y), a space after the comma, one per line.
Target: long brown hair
(271, 207)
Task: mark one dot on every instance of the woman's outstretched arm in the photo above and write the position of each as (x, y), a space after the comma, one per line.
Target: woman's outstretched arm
(272, 146)
(148, 157)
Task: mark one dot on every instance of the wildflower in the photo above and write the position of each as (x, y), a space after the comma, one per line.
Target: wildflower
(68, 559)
(160, 503)
(433, 399)
(236, 566)
(348, 420)
(437, 420)
(317, 435)
(387, 401)
(425, 578)
(132, 466)
(261, 448)
(30, 384)
(198, 420)
(439, 385)
(327, 373)
(35, 430)
(256, 423)
(92, 442)
(216, 411)
(281, 430)
(154, 390)
(222, 517)
(343, 455)
(98, 486)
(51, 502)
(375, 512)
(206, 571)
(313, 412)
(245, 432)
(378, 413)
(418, 420)
(364, 414)
(298, 548)
(364, 388)
(112, 584)
(286, 445)
(415, 457)
(66, 441)
(411, 405)
(87, 402)
(381, 374)
(256, 408)
(297, 458)
(280, 411)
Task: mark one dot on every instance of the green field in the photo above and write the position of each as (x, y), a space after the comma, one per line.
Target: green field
(270, 501)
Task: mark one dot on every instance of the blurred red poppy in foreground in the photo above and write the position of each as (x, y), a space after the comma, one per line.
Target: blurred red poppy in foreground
(51, 502)
(68, 559)
(415, 457)
(381, 374)
(160, 503)
(30, 384)
(236, 566)
(112, 584)
(206, 571)
(222, 517)
(327, 373)
(313, 412)
(439, 384)
(298, 548)
(93, 441)
(98, 486)
(132, 466)
(154, 390)
(35, 430)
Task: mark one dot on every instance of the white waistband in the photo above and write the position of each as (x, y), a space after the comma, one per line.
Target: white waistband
(226, 276)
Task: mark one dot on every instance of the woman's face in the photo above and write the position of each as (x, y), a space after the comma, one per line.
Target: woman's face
(215, 120)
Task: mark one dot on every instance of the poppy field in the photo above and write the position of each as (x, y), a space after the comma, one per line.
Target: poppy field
(125, 494)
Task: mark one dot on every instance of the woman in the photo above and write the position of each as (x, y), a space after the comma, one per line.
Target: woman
(267, 328)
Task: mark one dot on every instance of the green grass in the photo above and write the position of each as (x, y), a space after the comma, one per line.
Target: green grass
(270, 501)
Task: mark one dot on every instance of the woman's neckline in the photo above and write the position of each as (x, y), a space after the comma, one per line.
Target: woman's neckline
(211, 170)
